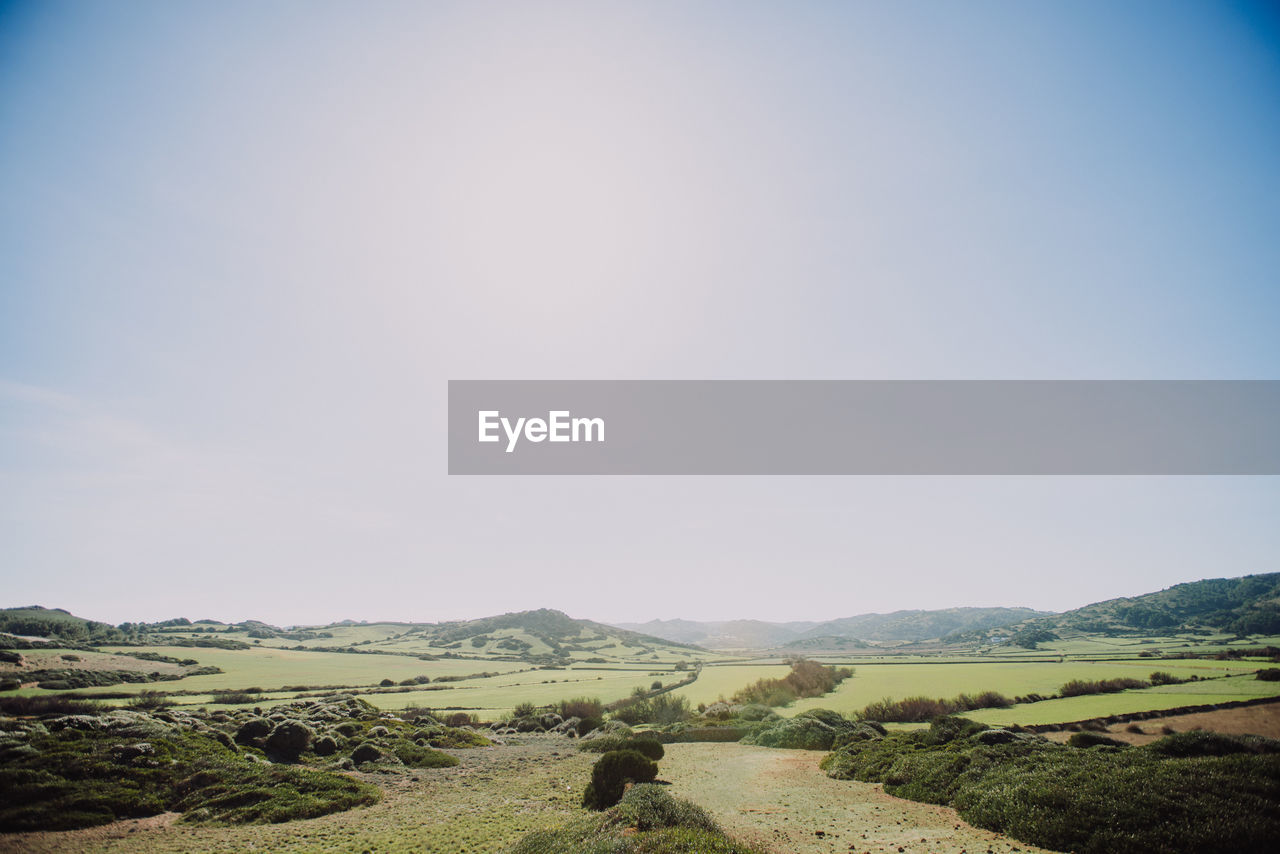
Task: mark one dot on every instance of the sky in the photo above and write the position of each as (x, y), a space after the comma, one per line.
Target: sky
(245, 245)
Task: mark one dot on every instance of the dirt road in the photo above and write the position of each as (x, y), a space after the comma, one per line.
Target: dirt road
(779, 798)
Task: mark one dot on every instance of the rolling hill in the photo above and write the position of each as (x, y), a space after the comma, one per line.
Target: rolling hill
(1246, 605)
(899, 626)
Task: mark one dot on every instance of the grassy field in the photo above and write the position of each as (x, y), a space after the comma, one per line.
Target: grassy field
(1126, 702)
(268, 668)
(721, 680)
(873, 682)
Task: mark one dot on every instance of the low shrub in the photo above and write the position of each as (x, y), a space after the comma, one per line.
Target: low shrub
(1203, 743)
(1094, 739)
(74, 778)
(611, 774)
(47, 705)
(1081, 687)
(920, 709)
(1269, 674)
(648, 746)
(1154, 798)
(288, 739)
(646, 821)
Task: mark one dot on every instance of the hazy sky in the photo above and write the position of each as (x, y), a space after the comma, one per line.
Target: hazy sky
(243, 246)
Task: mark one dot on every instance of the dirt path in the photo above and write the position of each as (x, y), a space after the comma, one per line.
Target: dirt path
(779, 799)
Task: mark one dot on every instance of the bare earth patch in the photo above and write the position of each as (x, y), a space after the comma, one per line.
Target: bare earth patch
(781, 800)
(1248, 720)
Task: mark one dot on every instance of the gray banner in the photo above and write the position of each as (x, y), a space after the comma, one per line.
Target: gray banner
(714, 427)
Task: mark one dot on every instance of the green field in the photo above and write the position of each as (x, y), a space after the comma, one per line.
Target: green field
(267, 668)
(873, 682)
(1127, 702)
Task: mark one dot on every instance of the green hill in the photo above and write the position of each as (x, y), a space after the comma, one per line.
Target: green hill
(33, 621)
(1247, 605)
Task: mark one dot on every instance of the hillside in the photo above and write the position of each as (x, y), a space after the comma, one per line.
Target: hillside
(34, 621)
(899, 626)
(1247, 605)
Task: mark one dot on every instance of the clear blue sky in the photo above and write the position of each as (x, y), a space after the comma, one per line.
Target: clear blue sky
(244, 245)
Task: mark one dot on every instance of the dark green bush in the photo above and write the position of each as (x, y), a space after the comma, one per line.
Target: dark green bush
(1138, 799)
(288, 739)
(253, 730)
(645, 745)
(78, 778)
(611, 774)
(1269, 674)
(1202, 743)
(416, 756)
(366, 753)
(1094, 739)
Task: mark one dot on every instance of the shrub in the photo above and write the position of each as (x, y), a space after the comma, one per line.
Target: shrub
(387, 683)
(366, 753)
(417, 756)
(1094, 739)
(10, 684)
(800, 732)
(524, 710)
(41, 706)
(647, 746)
(252, 730)
(611, 774)
(150, 701)
(806, 679)
(1269, 674)
(1080, 687)
(919, 709)
(289, 739)
(1202, 743)
(582, 707)
(648, 807)
(1057, 797)
(1161, 677)
(325, 745)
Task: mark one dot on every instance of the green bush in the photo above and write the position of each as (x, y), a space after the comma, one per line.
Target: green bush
(288, 739)
(646, 821)
(417, 756)
(1202, 743)
(1269, 674)
(642, 743)
(1094, 739)
(79, 778)
(1136, 799)
(611, 774)
(253, 730)
(800, 732)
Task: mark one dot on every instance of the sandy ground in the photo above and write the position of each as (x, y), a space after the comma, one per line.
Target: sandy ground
(1249, 720)
(780, 799)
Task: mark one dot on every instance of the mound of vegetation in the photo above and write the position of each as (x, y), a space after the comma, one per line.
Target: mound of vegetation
(647, 820)
(1179, 794)
(612, 773)
(643, 743)
(816, 729)
(80, 765)
(82, 770)
(806, 679)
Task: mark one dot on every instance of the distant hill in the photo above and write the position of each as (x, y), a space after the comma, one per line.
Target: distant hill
(1246, 605)
(897, 626)
(729, 634)
(55, 624)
